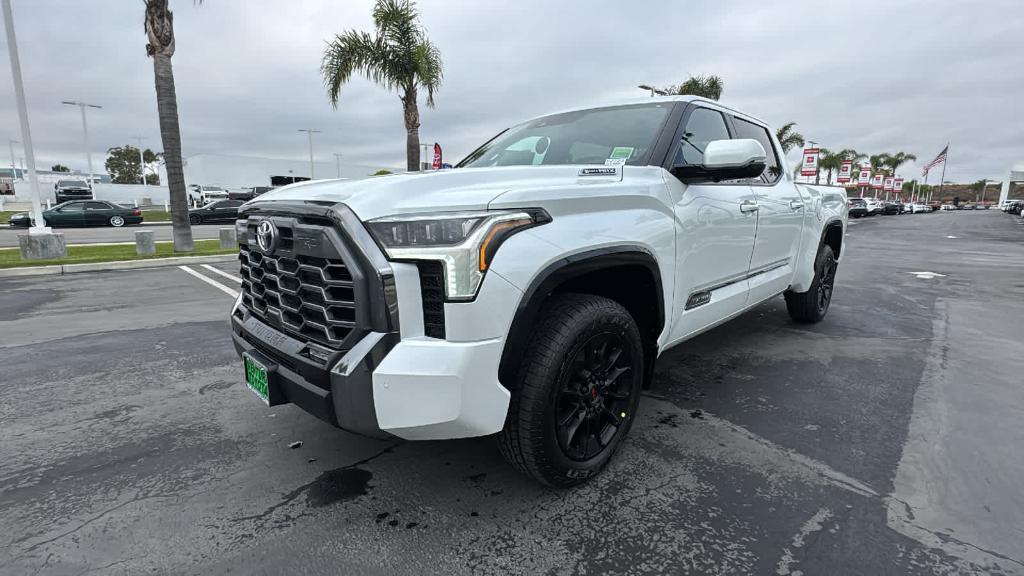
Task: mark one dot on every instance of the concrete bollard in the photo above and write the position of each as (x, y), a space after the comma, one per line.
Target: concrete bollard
(167, 207)
(42, 246)
(228, 238)
(144, 242)
(48, 204)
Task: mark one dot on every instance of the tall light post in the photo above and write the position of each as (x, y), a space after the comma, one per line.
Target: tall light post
(142, 160)
(310, 132)
(10, 144)
(85, 132)
(26, 133)
(337, 159)
(653, 90)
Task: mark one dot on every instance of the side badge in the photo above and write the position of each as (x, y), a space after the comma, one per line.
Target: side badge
(610, 171)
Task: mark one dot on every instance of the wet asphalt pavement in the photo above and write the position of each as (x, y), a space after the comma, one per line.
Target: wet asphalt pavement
(885, 440)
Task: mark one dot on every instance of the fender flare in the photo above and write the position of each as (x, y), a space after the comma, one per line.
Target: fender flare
(556, 274)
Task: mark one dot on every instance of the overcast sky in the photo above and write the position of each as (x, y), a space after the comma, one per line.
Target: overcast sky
(878, 76)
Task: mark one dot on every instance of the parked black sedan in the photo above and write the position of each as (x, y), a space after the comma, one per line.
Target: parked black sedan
(220, 211)
(83, 213)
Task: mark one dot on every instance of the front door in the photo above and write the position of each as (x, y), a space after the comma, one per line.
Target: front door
(779, 218)
(68, 214)
(715, 228)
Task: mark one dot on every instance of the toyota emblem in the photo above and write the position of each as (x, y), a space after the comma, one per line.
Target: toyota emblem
(266, 236)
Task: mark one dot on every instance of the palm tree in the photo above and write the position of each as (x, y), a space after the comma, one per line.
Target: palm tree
(898, 159)
(400, 57)
(830, 162)
(709, 86)
(788, 137)
(879, 162)
(159, 25)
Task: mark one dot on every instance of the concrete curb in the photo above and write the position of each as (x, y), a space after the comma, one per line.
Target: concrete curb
(59, 269)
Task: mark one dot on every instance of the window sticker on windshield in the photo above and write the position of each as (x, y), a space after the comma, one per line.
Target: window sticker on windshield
(623, 152)
(614, 161)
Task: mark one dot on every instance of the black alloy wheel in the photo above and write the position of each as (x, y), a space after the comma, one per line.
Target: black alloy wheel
(594, 396)
(826, 282)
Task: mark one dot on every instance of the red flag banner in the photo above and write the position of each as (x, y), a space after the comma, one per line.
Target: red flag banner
(810, 163)
(887, 184)
(437, 156)
(877, 182)
(865, 176)
(845, 171)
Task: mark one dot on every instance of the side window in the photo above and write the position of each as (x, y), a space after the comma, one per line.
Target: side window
(772, 170)
(73, 207)
(231, 204)
(97, 206)
(703, 126)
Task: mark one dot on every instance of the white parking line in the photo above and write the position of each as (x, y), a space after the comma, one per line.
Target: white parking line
(233, 293)
(222, 273)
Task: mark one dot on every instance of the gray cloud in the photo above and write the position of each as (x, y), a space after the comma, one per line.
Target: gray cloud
(876, 75)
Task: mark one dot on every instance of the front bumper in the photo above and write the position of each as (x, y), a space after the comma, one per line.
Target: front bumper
(389, 378)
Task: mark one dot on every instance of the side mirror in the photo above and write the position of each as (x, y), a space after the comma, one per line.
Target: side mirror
(725, 160)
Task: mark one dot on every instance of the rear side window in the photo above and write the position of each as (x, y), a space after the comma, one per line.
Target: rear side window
(772, 171)
(97, 206)
(703, 126)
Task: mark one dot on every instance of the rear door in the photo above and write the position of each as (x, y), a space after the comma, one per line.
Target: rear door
(715, 227)
(779, 218)
(228, 210)
(97, 213)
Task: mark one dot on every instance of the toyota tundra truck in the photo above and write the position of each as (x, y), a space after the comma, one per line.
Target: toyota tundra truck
(529, 291)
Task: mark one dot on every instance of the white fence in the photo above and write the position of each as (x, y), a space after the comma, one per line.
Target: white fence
(120, 193)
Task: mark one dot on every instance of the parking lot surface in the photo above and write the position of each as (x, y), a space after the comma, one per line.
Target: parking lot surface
(101, 234)
(884, 440)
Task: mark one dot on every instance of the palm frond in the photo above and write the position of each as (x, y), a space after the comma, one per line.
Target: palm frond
(429, 69)
(355, 52)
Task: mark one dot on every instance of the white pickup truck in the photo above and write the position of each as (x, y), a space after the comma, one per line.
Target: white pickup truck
(529, 291)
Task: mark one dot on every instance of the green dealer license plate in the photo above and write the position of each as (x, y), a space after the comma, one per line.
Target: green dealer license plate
(257, 378)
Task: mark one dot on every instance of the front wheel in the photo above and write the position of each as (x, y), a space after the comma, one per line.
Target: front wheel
(811, 306)
(577, 390)
(116, 221)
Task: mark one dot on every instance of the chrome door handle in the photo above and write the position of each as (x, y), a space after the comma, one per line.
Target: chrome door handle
(749, 206)
(795, 204)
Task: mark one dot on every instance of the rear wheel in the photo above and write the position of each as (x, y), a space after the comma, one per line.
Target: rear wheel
(812, 305)
(577, 391)
(194, 219)
(116, 221)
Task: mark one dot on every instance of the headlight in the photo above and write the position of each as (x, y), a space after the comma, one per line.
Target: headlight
(464, 242)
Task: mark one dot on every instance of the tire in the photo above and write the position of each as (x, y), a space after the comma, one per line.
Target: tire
(583, 369)
(194, 219)
(116, 221)
(811, 306)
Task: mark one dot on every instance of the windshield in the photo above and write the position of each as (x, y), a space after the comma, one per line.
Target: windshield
(71, 183)
(580, 137)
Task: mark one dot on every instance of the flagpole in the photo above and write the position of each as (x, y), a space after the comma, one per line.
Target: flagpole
(942, 179)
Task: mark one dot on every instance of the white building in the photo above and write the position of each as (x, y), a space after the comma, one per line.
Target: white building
(1016, 175)
(244, 171)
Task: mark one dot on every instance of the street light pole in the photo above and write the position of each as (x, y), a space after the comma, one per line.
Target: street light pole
(85, 131)
(337, 159)
(653, 90)
(26, 133)
(310, 132)
(10, 144)
(142, 160)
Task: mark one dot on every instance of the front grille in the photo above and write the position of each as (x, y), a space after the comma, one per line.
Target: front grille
(310, 297)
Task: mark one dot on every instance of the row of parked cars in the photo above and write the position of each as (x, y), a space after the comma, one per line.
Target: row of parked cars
(1013, 207)
(860, 207)
(77, 213)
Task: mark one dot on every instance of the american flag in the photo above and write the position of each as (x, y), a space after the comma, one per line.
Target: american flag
(938, 160)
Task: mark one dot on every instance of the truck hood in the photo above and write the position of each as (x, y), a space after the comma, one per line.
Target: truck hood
(433, 191)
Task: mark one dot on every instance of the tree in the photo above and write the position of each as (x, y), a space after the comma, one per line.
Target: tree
(124, 168)
(399, 57)
(159, 26)
(381, 172)
(788, 137)
(879, 162)
(898, 159)
(60, 168)
(709, 86)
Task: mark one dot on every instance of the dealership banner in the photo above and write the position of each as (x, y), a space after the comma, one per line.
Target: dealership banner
(437, 157)
(865, 176)
(876, 182)
(897, 185)
(845, 171)
(810, 164)
(887, 186)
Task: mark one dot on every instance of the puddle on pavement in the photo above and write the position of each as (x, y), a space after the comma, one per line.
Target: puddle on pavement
(338, 486)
